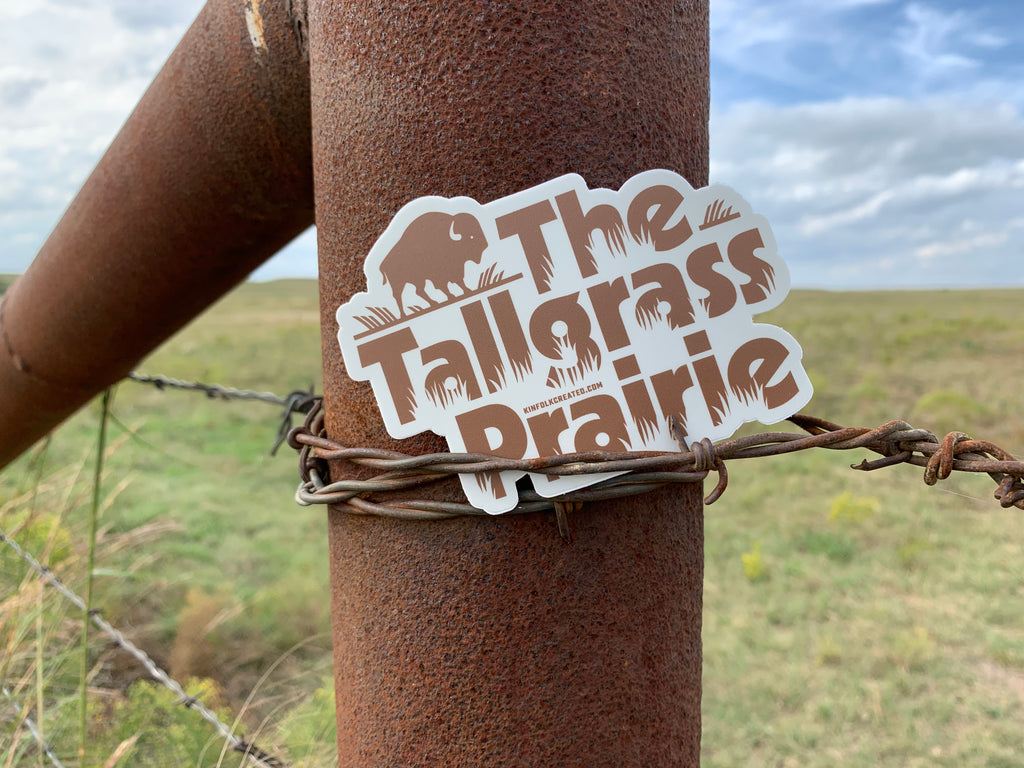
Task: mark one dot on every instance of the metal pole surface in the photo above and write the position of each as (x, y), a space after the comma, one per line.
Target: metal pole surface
(479, 642)
(211, 174)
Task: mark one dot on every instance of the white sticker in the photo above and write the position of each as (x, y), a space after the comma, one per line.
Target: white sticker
(563, 319)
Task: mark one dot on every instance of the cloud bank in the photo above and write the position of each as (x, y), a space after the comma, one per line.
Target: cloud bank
(884, 140)
(882, 192)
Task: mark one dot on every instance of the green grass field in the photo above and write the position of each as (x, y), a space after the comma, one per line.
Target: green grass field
(850, 619)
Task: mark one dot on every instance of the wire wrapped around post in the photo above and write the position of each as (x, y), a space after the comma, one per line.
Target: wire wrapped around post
(896, 441)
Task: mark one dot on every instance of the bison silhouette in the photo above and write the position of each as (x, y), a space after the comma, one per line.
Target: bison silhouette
(435, 247)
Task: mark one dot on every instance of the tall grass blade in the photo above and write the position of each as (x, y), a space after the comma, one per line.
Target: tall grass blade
(94, 511)
(40, 460)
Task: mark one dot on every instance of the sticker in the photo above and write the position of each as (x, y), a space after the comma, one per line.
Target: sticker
(563, 319)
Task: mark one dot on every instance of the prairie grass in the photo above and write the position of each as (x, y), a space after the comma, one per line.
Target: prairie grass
(891, 631)
(850, 619)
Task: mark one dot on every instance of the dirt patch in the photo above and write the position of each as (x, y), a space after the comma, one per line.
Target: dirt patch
(1003, 677)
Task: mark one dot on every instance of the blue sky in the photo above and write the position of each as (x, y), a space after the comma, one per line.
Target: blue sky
(883, 140)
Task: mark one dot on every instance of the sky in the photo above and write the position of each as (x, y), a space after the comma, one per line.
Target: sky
(883, 140)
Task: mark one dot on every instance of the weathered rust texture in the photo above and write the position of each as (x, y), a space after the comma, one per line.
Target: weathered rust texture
(480, 642)
(211, 174)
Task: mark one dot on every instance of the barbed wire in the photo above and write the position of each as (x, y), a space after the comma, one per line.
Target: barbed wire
(213, 391)
(33, 729)
(237, 744)
(296, 401)
(896, 441)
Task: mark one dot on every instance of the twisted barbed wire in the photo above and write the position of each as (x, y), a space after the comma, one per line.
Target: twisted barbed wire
(213, 391)
(896, 441)
(237, 744)
(296, 401)
(30, 725)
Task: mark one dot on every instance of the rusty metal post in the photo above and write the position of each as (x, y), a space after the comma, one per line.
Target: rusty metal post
(209, 177)
(479, 642)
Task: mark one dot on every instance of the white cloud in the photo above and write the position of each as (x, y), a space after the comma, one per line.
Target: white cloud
(971, 237)
(928, 39)
(70, 73)
(807, 50)
(917, 190)
(866, 191)
(962, 247)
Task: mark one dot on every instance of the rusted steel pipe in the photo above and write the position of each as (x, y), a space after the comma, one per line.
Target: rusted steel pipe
(474, 641)
(211, 174)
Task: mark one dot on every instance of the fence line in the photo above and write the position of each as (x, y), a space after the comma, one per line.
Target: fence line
(30, 725)
(257, 756)
(213, 391)
(896, 441)
(297, 401)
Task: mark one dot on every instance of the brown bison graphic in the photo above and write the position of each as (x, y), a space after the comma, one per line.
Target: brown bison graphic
(435, 247)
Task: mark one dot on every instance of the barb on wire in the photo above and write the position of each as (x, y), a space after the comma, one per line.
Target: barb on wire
(896, 441)
(30, 725)
(256, 756)
(297, 401)
(213, 391)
